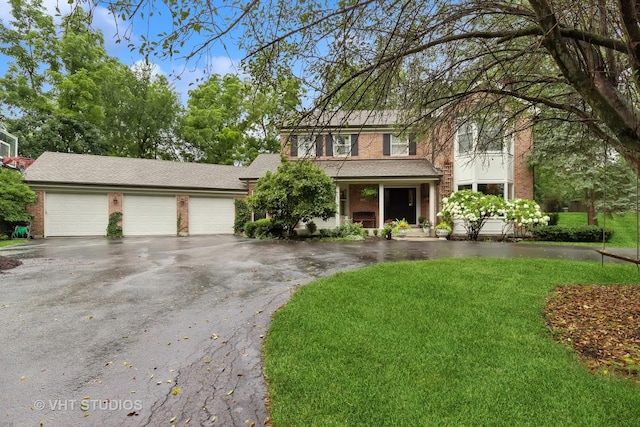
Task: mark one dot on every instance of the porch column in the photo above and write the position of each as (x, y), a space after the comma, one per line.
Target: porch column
(380, 205)
(432, 202)
(338, 213)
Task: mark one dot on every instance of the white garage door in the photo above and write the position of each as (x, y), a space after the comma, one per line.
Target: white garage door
(211, 215)
(76, 214)
(148, 215)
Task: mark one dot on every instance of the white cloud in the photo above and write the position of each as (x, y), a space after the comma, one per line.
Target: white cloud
(223, 65)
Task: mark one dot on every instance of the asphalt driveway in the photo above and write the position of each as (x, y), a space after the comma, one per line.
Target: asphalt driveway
(161, 331)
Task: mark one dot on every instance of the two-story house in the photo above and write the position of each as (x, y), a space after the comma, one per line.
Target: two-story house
(383, 171)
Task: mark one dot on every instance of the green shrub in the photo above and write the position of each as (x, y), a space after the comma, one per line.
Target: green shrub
(250, 229)
(557, 233)
(553, 218)
(375, 232)
(268, 228)
(324, 232)
(113, 229)
(311, 227)
(243, 215)
(349, 228)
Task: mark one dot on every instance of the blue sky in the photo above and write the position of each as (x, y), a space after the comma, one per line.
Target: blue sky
(221, 59)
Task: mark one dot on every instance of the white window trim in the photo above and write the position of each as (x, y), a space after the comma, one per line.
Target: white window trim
(306, 146)
(2, 143)
(346, 145)
(397, 141)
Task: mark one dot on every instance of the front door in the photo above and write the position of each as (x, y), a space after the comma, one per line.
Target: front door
(400, 203)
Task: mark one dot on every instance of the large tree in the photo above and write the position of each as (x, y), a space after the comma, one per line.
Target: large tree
(142, 111)
(571, 60)
(63, 92)
(230, 121)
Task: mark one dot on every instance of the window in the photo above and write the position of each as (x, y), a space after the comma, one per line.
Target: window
(341, 145)
(491, 136)
(492, 189)
(8, 143)
(306, 146)
(399, 146)
(465, 187)
(5, 149)
(465, 138)
(485, 136)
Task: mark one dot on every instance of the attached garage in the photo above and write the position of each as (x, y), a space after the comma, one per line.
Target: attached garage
(149, 215)
(213, 215)
(76, 194)
(69, 214)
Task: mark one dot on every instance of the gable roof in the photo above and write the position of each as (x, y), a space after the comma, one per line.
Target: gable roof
(82, 169)
(353, 169)
(349, 119)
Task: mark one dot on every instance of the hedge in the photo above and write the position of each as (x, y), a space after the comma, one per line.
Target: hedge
(558, 233)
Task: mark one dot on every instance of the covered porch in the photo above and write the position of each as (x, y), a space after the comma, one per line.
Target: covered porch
(378, 190)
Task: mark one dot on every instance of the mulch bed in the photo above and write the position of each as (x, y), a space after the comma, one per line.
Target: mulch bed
(7, 263)
(601, 323)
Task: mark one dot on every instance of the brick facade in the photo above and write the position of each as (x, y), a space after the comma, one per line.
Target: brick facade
(358, 203)
(182, 204)
(37, 210)
(115, 204)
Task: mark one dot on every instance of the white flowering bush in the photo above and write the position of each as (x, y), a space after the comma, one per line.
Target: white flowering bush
(524, 215)
(473, 209)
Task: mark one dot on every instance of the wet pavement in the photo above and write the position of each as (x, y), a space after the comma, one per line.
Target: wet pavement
(161, 331)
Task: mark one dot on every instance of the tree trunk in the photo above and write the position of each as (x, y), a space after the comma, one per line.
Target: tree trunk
(591, 215)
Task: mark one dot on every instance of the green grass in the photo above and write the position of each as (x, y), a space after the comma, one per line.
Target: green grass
(624, 227)
(447, 342)
(11, 242)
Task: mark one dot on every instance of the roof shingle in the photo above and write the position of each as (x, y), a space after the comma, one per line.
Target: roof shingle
(65, 168)
(379, 168)
(353, 168)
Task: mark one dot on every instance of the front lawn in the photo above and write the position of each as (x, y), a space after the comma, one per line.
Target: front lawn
(446, 342)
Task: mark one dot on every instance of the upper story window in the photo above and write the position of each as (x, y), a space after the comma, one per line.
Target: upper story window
(491, 136)
(341, 145)
(403, 145)
(8, 143)
(306, 146)
(465, 136)
(485, 137)
(399, 146)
